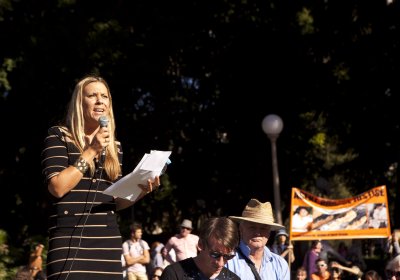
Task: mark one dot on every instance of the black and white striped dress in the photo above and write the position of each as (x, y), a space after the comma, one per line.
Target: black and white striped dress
(84, 237)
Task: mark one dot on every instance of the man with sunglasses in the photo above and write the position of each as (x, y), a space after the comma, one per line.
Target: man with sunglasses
(253, 258)
(322, 272)
(183, 244)
(219, 237)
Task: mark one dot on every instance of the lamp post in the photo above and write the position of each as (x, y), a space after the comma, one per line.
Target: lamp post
(272, 126)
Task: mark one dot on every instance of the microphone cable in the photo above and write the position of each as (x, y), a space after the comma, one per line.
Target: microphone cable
(86, 218)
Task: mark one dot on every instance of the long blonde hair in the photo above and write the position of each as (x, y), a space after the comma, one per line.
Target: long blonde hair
(75, 122)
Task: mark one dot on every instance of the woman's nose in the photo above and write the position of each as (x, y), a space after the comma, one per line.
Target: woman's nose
(99, 99)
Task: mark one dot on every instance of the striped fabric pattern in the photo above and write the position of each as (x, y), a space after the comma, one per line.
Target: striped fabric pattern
(84, 237)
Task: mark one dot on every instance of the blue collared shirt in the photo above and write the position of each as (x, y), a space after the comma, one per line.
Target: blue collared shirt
(273, 266)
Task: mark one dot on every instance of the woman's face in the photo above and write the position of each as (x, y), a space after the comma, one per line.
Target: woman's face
(164, 252)
(318, 247)
(95, 102)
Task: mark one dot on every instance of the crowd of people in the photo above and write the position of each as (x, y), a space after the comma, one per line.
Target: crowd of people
(234, 247)
(82, 157)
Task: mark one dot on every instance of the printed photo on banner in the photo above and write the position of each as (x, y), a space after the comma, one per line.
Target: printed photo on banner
(363, 216)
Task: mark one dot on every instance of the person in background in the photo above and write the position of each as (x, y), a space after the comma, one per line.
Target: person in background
(136, 254)
(329, 253)
(23, 273)
(158, 255)
(36, 263)
(34, 269)
(80, 159)
(253, 258)
(155, 253)
(184, 243)
(372, 275)
(301, 273)
(157, 272)
(336, 272)
(311, 256)
(392, 269)
(164, 254)
(322, 272)
(354, 270)
(392, 244)
(355, 255)
(218, 239)
(282, 246)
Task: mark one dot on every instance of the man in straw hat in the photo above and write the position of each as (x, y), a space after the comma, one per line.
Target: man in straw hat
(253, 259)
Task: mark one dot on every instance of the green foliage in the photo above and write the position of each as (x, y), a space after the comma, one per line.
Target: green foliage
(7, 67)
(8, 260)
(341, 73)
(325, 155)
(305, 21)
(5, 6)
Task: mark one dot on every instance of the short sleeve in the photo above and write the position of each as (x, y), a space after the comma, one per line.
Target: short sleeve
(54, 154)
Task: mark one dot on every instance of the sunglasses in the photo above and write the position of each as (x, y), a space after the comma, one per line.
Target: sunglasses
(186, 228)
(217, 256)
(391, 273)
(321, 264)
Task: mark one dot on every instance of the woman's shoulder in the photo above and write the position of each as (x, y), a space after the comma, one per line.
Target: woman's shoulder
(59, 131)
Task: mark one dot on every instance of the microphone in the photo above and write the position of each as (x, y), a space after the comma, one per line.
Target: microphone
(103, 121)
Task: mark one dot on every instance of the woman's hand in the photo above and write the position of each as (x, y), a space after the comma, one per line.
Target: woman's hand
(151, 185)
(100, 140)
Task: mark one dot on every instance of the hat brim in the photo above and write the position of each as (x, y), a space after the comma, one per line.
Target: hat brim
(274, 226)
(183, 226)
(284, 234)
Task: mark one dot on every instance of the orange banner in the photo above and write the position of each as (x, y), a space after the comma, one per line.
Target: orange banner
(362, 216)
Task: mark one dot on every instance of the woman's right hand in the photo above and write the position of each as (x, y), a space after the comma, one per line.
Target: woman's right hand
(100, 140)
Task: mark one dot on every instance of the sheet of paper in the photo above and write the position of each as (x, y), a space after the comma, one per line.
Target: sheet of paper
(150, 165)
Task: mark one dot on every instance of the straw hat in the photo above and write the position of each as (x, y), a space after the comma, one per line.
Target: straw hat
(260, 213)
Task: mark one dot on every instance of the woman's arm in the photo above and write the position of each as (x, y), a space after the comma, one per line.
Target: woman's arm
(67, 179)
